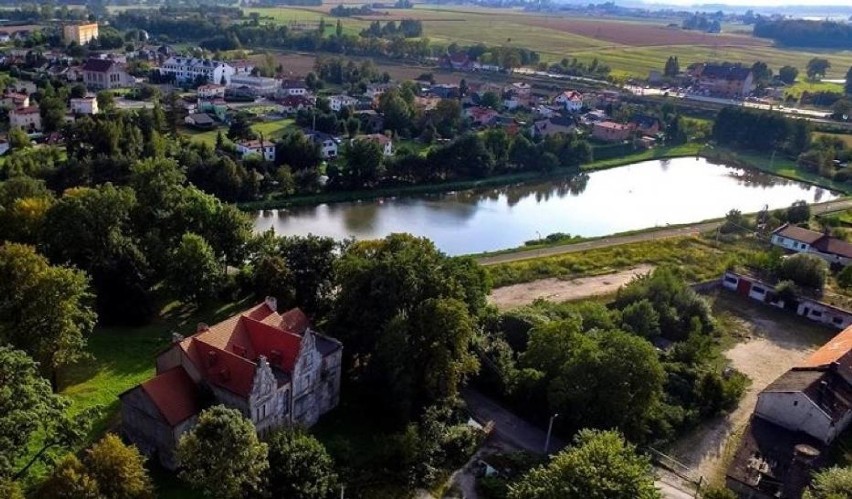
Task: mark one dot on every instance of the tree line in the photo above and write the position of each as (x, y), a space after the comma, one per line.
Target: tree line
(805, 33)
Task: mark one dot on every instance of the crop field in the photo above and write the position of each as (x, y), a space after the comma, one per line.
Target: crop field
(628, 46)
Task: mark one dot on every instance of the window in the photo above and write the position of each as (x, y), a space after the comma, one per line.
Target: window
(795, 403)
(758, 289)
(816, 313)
(837, 320)
(730, 279)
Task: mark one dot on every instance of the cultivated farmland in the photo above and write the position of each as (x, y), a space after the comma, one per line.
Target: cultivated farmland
(628, 46)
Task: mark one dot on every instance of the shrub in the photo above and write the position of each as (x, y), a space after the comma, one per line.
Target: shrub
(808, 271)
(844, 278)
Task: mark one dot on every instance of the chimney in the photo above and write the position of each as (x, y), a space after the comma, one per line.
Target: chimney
(272, 303)
(201, 327)
(799, 473)
(176, 337)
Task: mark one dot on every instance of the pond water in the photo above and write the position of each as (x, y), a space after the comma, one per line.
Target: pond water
(641, 195)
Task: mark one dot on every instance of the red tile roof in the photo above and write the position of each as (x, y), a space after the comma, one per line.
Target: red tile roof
(174, 393)
(226, 353)
(838, 349)
(26, 110)
(798, 233)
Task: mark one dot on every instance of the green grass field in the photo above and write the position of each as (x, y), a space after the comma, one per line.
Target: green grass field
(544, 34)
(271, 130)
(802, 85)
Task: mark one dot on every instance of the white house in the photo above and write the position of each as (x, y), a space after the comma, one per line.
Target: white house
(84, 105)
(189, 69)
(814, 397)
(329, 144)
(293, 87)
(27, 118)
(571, 100)
(4, 146)
(384, 142)
(211, 91)
(800, 240)
(338, 102)
(257, 85)
(14, 100)
(265, 149)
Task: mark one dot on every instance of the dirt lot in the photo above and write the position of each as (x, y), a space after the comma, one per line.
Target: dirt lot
(638, 34)
(771, 343)
(561, 290)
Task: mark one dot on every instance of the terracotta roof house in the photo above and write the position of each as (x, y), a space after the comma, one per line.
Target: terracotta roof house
(271, 367)
(796, 419)
(725, 80)
(801, 240)
(571, 100)
(611, 131)
(385, 143)
(646, 125)
(480, 115)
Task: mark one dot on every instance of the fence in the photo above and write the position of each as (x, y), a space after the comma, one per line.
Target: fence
(686, 476)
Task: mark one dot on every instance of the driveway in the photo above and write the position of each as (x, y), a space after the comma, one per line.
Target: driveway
(522, 435)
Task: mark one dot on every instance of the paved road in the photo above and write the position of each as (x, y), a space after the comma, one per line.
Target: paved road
(523, 435)
(662, 233)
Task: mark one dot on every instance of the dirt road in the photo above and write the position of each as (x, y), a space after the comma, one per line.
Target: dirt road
(773, 342)
(662, 233)
(559, 290)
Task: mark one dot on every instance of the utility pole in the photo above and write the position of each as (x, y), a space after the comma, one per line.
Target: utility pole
(549, 430)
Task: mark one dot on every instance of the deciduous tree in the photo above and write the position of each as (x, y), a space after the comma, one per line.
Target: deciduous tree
(194, 271)
(599, 465)
(833, 483)
(222, 455)
(788, 74)
(299, 466)
(118, 469)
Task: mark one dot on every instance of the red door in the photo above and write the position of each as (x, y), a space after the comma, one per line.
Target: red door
(743, 287)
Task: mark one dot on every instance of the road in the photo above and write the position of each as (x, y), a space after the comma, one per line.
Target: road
(606, 242)
(523, 435)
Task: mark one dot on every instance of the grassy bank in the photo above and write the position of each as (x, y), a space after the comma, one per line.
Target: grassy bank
(780, 166)
(699, 259)
(495, 181)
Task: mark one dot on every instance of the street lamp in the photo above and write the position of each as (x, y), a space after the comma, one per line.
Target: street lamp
(549, 430)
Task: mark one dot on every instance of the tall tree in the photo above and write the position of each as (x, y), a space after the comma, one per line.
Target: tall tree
(599, 465)
(222, 455)
(45, 310)
(118, 469)
(299, 466)
(788, 74)
(817, 67)
(194, 271)
(848, 86)
(33, 420)
(363, 163)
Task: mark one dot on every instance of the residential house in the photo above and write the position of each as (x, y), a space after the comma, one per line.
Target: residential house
(292, 104)
(458, 61)
(293, 87)
(188, 70)
(329, 144)
(520, 88)
(27, 118)
(273, 368)
(242, 67)
(201, 121)
(800, 240)
(385, 143)
(84, 105)
(107, 74)
(263, 148)
(554, 126)
(480, 116)
(571, 100)
(5, 36)
(339, 101)
(79, 33)
(14, 100)
(376, 90)
(796, 419)
(371, 121)
(727, 81)
(210, 91)
(611, 131)
(445, 90)
(646, 125)
(254, 85)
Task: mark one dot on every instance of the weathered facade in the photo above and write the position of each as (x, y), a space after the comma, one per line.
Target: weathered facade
(271, 367)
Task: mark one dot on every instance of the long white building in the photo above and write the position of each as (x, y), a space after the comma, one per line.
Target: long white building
(188, 69)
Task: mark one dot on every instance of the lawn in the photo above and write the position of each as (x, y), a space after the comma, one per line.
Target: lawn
(271, 130)
(803, 85)
(121, 358)
(697, 258)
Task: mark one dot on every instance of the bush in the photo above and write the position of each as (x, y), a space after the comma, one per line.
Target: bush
(807, 271)
(844, 278)
(798, 212)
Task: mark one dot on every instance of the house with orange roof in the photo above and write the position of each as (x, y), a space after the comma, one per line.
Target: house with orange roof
(271, 367)
(796, 419)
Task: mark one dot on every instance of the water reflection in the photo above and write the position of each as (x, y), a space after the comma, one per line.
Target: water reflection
(627, 198)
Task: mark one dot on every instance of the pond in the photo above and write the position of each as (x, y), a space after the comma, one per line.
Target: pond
(642, 195)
